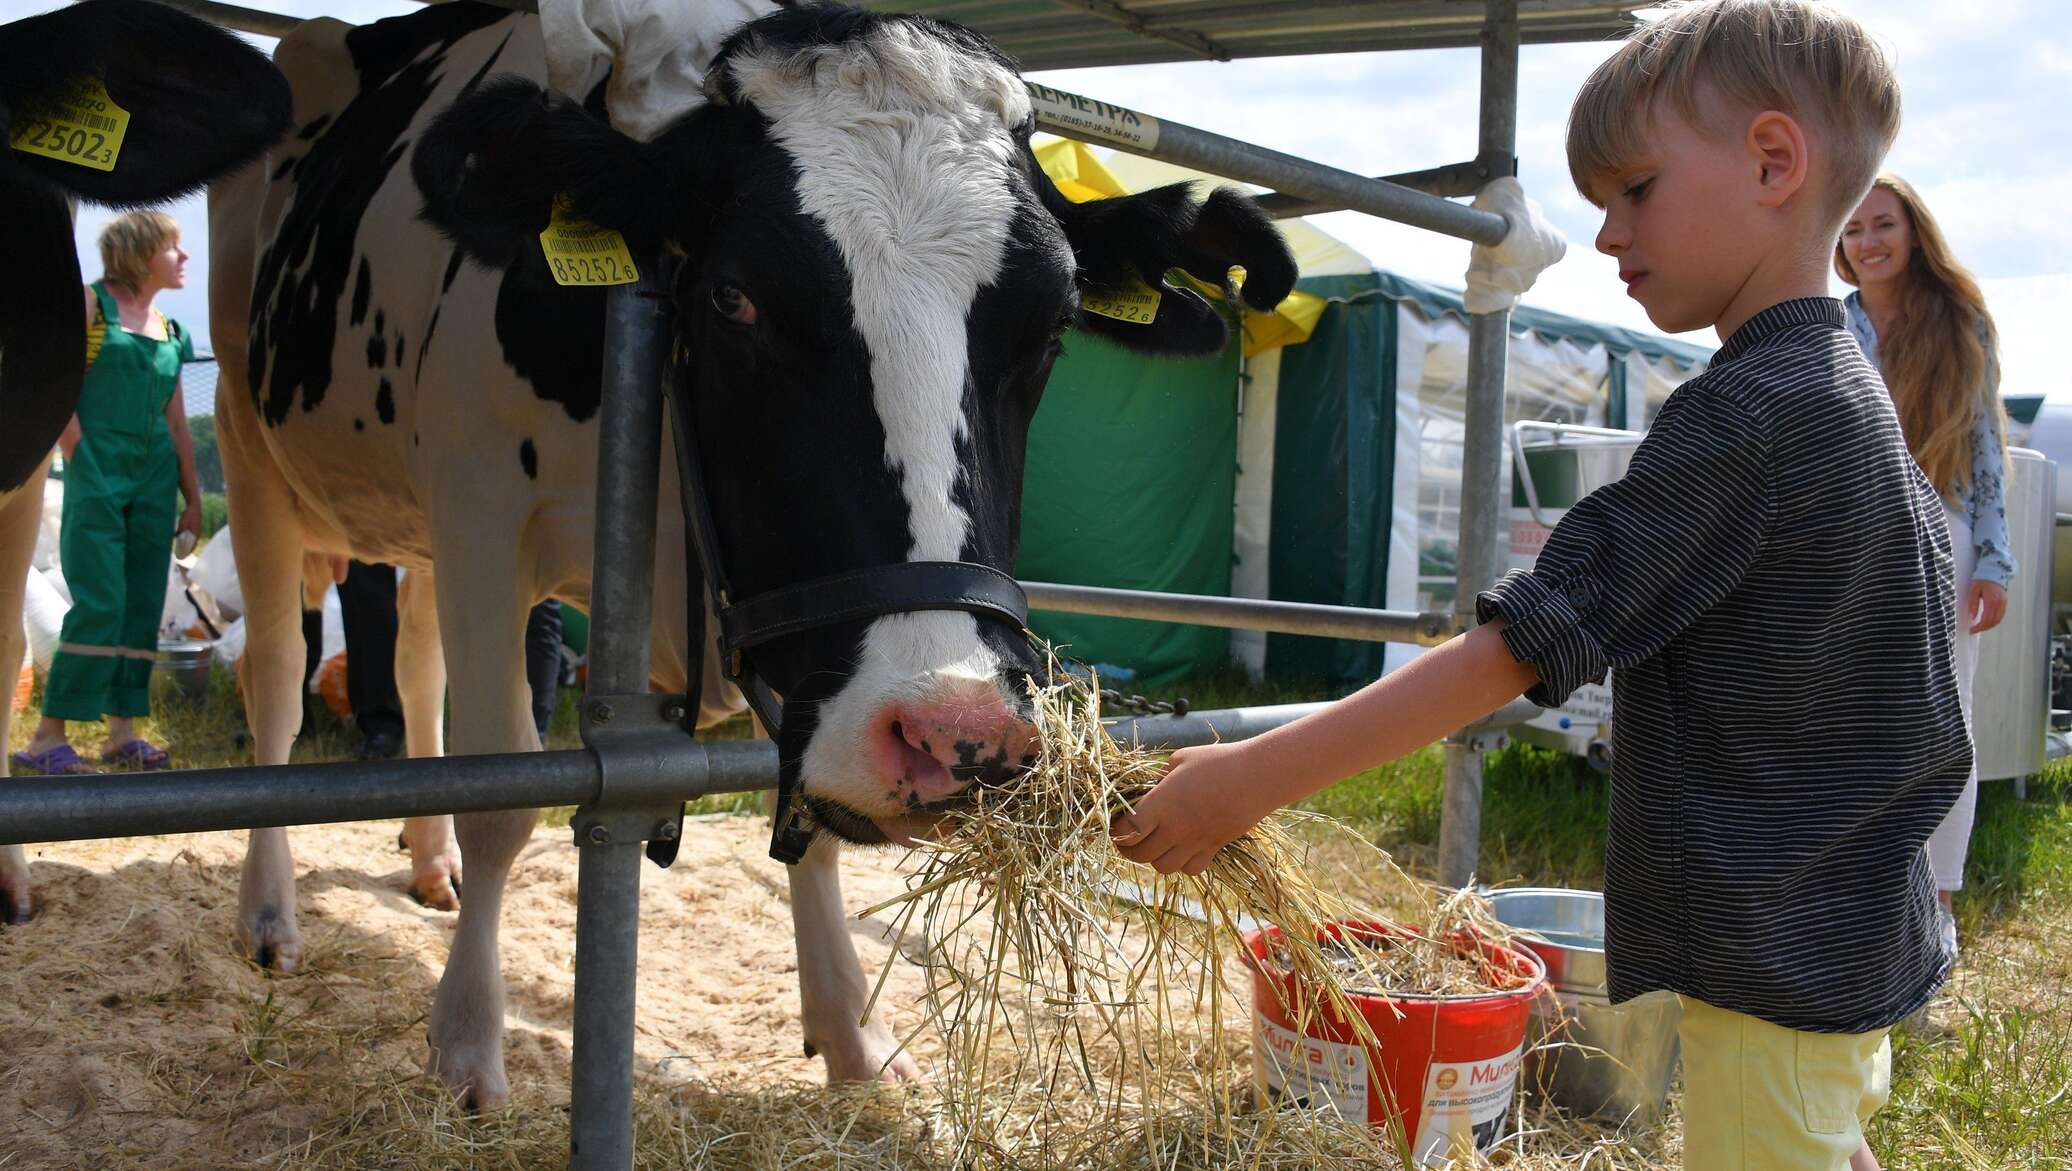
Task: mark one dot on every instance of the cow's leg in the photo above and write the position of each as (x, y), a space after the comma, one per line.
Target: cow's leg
(19, 514)
(832, 987)
(483, 601)
(268, 551)
(421, 684)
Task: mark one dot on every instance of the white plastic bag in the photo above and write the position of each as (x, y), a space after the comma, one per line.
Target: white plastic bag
(43, 617)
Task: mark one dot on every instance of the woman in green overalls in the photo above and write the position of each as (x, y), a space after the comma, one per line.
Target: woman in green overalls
(127, 452)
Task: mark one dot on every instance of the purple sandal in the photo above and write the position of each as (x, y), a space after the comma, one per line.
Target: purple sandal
(140, 755)
(53, 762)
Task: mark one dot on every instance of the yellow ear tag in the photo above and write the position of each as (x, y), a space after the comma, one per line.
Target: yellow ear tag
(581, 253)
(1137, 304)
(85, 128)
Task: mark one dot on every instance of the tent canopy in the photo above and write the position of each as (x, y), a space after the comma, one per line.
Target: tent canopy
(1319, 254)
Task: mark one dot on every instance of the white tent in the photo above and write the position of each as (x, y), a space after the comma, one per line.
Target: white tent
(1561, 369)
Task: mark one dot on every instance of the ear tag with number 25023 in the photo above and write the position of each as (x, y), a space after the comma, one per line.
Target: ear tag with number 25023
(581, 253)
(84, 128)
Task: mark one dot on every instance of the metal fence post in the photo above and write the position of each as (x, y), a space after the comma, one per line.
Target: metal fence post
(629, 452)
(1483, 495)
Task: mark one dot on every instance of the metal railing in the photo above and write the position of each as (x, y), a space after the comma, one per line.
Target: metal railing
(1423, 629)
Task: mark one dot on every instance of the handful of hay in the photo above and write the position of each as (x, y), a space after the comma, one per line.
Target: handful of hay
(1082, 999)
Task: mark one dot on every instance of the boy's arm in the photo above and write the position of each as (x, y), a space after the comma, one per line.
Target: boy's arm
(1212, 795)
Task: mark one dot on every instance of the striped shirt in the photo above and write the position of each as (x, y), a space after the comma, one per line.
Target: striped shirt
(1772, 580)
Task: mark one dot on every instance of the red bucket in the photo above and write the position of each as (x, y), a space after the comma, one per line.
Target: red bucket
(1447, 1065)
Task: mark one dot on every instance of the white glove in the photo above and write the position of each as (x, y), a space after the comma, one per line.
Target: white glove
(1499, 273)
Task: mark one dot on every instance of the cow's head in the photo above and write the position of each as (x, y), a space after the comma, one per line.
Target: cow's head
(876, 278)
(198, 101)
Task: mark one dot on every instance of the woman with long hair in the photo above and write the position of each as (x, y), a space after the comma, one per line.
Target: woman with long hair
(1921, 319)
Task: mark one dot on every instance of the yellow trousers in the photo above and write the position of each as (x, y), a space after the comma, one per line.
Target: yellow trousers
(1759, 1097)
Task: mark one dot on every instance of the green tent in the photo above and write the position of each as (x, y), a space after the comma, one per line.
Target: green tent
(1327, 470)
(1132, 466)
(1367, 427)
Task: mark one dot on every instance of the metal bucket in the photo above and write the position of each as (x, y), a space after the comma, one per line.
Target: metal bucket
(186, 663)
(1599, 1060)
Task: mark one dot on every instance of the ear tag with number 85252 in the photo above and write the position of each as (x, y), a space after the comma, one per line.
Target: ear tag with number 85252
(582, 253)
(84, 128)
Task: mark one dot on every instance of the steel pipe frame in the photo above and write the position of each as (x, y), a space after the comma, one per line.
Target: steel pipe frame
(611, 830)
(1285, 173)
(1482, 459)
(1309, 618)
(180, 801)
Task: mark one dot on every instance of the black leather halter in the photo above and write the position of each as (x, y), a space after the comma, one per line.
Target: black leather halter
(744, 624)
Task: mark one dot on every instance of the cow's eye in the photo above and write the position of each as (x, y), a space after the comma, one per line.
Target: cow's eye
(733, 304)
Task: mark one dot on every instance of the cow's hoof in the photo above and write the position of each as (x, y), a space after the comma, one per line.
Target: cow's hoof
(478, 1086)
(875, 1058)
(437, 888)
(272, 942)
(434, 862)
(16, 905)
(903, 1068)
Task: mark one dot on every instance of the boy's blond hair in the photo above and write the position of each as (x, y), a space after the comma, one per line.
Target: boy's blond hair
(1794, 56)
(130, 241)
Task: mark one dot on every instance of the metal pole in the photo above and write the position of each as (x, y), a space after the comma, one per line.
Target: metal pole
(1452, 179)
(62, 809)
(1244, 613)
(1243, 723)
(629, 453)
(250, 20)
(1482, 487)
(1125, 129)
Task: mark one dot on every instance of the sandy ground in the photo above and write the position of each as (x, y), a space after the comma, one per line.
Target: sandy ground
(133, 1032)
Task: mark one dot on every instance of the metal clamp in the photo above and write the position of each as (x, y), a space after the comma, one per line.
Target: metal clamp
(1482, 740)
(642, 755)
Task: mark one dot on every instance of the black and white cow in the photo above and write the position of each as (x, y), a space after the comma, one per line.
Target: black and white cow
(874, 279)
(200, 102)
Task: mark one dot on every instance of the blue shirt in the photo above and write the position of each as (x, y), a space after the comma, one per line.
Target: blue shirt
(1983, 502)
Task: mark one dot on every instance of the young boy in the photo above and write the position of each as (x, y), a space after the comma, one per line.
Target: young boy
(1771, 579)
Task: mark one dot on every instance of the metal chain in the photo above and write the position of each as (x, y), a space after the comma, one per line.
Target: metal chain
(1137, 705)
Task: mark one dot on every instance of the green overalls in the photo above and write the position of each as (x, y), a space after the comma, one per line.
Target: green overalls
(122, 488)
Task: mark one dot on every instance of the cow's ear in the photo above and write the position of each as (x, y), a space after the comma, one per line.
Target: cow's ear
(1130, 241)
(199, 101)
(490, 167)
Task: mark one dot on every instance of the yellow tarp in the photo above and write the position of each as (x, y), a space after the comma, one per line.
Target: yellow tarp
(1081, 177)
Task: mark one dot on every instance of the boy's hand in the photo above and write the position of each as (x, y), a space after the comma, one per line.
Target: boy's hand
(1208, 799)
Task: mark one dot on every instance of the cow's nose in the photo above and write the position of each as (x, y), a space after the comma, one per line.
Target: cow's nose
(972, 733)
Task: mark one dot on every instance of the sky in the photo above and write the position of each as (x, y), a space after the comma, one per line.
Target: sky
(1988, 92)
